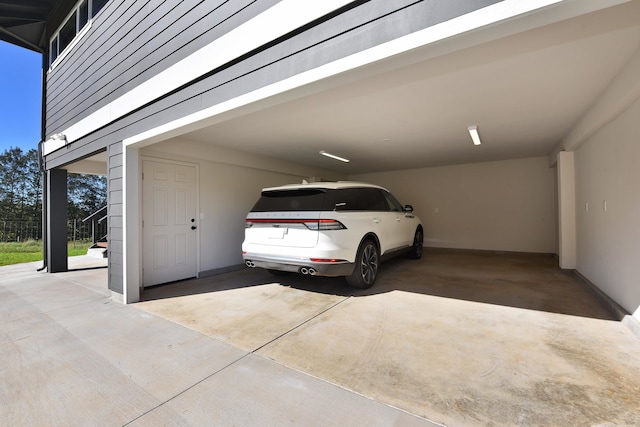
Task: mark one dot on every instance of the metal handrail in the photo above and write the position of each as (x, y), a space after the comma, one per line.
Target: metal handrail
(94, 222)
(95, 214)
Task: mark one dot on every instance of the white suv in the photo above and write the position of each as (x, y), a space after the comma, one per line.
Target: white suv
(330, 229)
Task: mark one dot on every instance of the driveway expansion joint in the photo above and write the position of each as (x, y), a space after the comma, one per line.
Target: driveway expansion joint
(300, 325)
(252, 352)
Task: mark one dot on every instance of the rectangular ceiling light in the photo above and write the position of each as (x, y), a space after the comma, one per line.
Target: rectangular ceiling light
(333, 156)
(473, 131)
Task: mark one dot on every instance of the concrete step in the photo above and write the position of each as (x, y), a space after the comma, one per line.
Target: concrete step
(97, 252)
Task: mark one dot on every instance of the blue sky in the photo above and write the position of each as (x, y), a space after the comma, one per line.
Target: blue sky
(20, 97)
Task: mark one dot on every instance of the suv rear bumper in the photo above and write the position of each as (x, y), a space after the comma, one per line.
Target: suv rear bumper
(331, 269)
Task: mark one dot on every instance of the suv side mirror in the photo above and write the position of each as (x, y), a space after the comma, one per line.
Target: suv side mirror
(408, 208)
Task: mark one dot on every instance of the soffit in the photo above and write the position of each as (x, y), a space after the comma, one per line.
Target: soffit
(23, 23)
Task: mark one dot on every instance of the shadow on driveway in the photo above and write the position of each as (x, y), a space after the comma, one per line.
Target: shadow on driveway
(527, 281)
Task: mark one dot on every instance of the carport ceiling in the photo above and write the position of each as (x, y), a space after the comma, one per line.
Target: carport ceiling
(525, 92)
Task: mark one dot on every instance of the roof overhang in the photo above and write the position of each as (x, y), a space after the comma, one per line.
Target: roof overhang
(24, 23)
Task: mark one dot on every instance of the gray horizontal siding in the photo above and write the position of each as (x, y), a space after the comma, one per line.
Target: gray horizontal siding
(367, 25)
(129, 42)
(114, 212)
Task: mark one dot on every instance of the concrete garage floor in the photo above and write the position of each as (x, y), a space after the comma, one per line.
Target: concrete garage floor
(462, 339)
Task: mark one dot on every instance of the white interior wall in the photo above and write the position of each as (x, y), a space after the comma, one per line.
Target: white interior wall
(608, 240)
(505, 205)
(230, 184)
(227, 194)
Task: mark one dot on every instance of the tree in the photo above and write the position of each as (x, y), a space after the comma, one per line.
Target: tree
(21, 193)
(15, 169)
(33, 183)
(87, 194)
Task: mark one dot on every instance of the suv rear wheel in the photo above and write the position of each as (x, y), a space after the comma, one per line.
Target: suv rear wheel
(366, 269)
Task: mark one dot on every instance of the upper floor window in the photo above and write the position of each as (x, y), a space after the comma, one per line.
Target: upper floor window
(81, 15)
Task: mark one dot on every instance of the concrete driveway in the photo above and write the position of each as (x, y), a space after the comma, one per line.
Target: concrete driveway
(456, 338)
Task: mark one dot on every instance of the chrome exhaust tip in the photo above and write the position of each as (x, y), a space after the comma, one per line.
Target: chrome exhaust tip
(312, 271)
(304, 270)
(249, 263)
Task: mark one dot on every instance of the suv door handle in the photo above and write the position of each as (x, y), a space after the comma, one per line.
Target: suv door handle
(376, 220)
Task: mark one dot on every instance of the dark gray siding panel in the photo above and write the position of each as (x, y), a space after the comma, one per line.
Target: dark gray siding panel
(117, 246)
(115, 184)
(114, 212)
(129, 42)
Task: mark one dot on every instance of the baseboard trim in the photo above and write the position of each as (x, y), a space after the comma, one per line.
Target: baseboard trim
(620, 313)
(616, 310)
(485, 251)
(222, 270)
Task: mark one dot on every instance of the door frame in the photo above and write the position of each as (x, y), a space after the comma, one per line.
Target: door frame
(142, 207)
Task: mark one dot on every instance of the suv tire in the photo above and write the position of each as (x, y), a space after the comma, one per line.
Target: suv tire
(417, 248)
(366, 269)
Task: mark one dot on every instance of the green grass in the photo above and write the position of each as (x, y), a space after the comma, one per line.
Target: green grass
(31, 250)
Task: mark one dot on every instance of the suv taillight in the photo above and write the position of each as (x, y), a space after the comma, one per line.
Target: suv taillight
(311, 224)
(325, 224)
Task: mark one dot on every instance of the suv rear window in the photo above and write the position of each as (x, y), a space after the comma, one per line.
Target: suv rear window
(311, 199)
(320, 199)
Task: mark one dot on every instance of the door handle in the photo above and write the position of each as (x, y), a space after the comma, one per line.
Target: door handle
(193, 227)
(376, 220)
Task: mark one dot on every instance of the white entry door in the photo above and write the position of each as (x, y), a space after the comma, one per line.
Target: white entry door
(169, 224)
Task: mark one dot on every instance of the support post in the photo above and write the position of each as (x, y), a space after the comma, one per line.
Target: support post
(567, 250)
(56, 220)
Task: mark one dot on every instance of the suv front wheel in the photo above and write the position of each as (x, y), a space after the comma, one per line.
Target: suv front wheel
(417, 247)
(366, 269)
